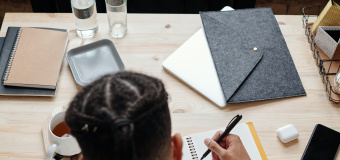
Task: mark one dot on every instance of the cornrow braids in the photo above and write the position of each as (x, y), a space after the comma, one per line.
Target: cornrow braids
(122, 116)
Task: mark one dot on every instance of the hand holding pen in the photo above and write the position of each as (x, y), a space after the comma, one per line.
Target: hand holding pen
(226, 146)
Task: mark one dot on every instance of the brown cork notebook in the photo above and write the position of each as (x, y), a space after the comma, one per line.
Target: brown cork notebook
(36, 58)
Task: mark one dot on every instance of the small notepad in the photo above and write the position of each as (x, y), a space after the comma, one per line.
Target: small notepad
(194, 147)
(36, 58)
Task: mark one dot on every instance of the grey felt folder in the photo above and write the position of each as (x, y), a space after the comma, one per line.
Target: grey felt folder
(251, 57)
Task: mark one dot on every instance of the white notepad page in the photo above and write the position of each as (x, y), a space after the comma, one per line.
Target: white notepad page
(242, 130)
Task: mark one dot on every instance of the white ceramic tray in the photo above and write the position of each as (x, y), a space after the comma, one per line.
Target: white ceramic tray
(90, 62)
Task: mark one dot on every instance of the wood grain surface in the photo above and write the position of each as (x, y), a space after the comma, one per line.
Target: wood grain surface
(151, 38)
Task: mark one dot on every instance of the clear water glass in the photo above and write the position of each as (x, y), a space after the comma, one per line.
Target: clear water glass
(85, 17)
(117, 17)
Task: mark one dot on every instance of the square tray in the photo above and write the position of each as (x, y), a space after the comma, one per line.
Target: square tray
(90, 62)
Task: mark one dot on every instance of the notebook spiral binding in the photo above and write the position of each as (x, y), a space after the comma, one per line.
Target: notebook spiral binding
(192, 149)
(11, 56)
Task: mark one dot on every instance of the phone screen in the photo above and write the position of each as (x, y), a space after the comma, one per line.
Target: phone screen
(323, 144)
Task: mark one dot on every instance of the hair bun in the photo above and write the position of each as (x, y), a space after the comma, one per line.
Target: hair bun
(123, 124)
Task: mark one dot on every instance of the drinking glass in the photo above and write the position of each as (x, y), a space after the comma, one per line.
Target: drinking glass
(117, 17)
(85, 17)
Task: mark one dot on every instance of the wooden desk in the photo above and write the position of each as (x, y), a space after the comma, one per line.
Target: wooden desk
(149, 41)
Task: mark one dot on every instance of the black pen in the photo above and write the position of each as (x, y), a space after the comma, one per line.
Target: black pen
(230, 126)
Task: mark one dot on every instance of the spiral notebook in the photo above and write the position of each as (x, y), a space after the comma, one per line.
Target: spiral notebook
(36, 58)
(194, 147)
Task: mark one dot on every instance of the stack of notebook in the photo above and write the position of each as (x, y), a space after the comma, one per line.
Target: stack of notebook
(240, 56)
(30, 60)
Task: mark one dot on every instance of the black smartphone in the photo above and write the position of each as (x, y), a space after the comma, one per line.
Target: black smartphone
(323, 144)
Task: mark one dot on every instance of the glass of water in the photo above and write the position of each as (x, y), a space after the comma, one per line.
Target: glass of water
(116, 12)
(85, 17)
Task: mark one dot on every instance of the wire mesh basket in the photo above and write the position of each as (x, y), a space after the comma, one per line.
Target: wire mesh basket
(328, 68)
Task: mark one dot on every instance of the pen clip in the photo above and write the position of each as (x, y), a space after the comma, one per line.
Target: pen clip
(232, 120)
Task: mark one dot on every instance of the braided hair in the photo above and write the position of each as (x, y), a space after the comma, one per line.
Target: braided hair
(122, 116)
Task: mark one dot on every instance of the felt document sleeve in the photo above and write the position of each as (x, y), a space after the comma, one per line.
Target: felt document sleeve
(250, 55)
